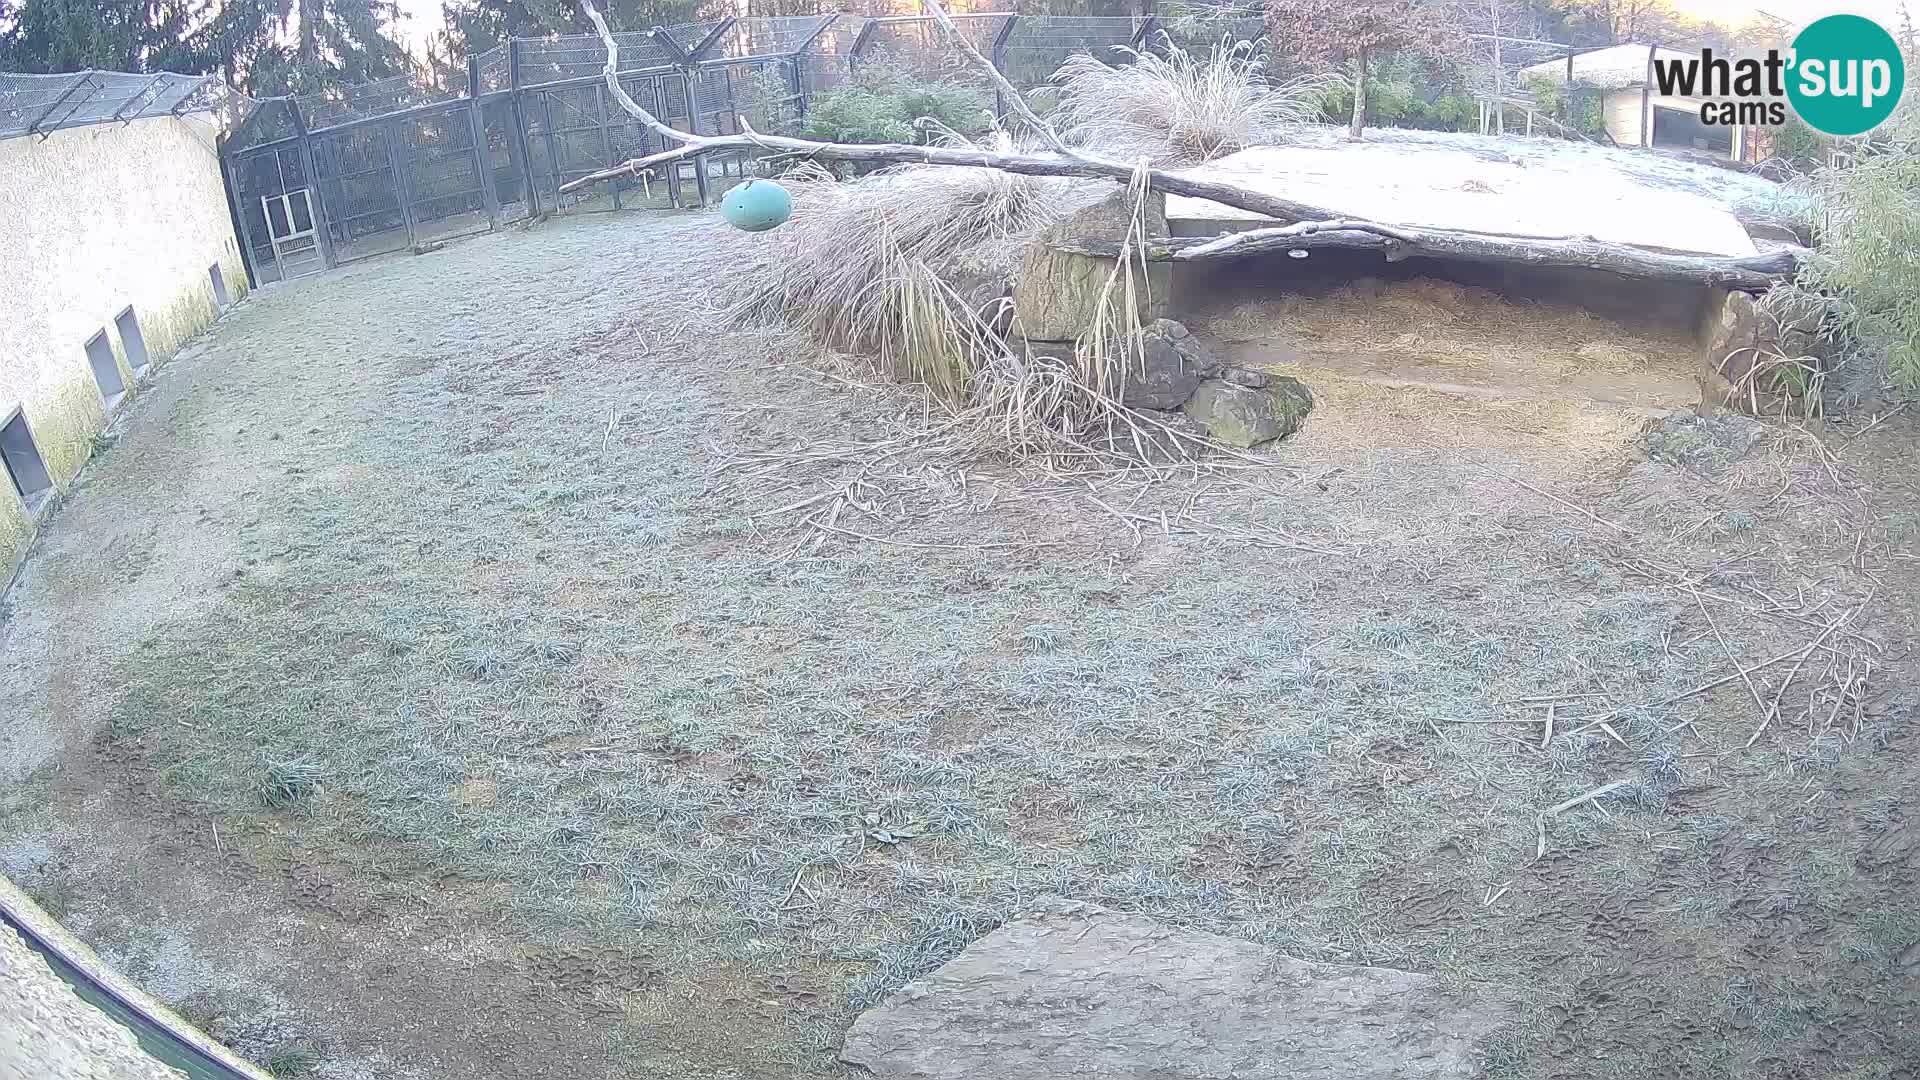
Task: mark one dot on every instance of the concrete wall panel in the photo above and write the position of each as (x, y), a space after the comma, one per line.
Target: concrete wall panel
(92, 220)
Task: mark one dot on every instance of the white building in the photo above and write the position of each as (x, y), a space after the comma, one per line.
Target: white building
(1633, 109)
(116, 245)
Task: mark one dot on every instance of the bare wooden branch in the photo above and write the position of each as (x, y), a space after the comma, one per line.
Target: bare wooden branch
(1064, 162)
(612, 72)
(1316, 226)
(1014, 98)
(1752, 273)
(1023, 164)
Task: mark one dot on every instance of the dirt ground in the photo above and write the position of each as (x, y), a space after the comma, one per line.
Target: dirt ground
(438, 677)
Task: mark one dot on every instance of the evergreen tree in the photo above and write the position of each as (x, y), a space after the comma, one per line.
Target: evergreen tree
(264, 47)
(475, 26)
(43, 36)
(269, 47)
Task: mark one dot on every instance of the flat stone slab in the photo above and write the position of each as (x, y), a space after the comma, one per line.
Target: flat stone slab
(1521, 187)
(1073, 990)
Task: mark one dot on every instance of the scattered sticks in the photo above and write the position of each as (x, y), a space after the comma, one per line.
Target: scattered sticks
(613, 417)
(1726, 647)
(1569, 504)
(1540, 822)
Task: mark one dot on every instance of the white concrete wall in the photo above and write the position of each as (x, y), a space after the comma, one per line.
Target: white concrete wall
(92, 220)
(1621, 109)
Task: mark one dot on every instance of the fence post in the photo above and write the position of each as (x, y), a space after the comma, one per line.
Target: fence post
(701, 187)
(606, 138)
(85, 80)
(695, 76)
(553, 151)
(322, 226)
(1143, 37)
(799, 57)
(660, 86)
(998, 57)
(520, 129)
(394, 135)
(860, 42)
(482, 154)
(235, 210)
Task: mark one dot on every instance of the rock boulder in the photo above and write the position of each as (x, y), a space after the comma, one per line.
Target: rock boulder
(1175, 363)
(1244, 416)
(1058, 291)
(1074, 990)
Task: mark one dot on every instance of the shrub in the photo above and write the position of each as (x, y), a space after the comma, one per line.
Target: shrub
(1399, 104)
(769, 103)
(884, 100)
(1799, 146)
(1180, 109)
(1868, 255)
(1577, 111)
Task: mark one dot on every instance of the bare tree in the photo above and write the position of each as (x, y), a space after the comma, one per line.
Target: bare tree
(1356, 31)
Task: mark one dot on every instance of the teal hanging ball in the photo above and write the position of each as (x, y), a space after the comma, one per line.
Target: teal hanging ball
(756, 206)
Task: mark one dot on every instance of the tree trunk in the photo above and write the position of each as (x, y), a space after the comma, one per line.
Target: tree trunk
(1751, 273)
(1359, 96)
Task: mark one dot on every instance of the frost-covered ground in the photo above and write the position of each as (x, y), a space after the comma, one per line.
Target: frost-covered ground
(1533, 187)
(436, 678)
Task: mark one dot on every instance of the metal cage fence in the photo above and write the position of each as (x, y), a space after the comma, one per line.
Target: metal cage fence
(39, 104)
(368, 100)
(495, 69)
(919, 45)
(395, 163)
(575, 56)
(1039, 44)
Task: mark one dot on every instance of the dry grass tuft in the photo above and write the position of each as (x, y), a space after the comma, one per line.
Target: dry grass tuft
(864, 268)
(1181, 109)
(836, 269)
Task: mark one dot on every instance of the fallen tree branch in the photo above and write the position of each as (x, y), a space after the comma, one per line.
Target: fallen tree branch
(1023, 164)
(1752, 273)
(1317, 227)
(1062, 161)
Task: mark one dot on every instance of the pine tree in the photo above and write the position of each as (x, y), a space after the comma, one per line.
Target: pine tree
(475, 26)
(111, 35)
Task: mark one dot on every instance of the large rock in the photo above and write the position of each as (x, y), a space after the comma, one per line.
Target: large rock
(1075, 991)
(1247, 416)
(988, 294)
(1058, 292)
(1174, 363)
(1731, 328)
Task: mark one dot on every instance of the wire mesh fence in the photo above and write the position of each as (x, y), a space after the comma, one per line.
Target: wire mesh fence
(368, 100)
(1038, 44)
(576, 56)
(494, 68)
(328, 179)
(39, 104)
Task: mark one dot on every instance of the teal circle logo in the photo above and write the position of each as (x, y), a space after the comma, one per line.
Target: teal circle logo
(1847, 75)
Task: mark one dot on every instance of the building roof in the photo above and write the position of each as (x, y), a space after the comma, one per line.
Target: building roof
(1613, 68)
